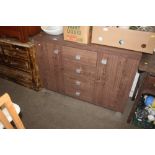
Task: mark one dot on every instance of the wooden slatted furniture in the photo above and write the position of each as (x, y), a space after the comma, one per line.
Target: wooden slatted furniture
(9, 112)
(18, 63)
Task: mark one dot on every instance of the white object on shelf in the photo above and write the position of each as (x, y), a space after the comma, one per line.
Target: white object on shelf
(53, 30)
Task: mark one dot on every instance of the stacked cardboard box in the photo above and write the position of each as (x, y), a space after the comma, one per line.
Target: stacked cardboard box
(124, 38)
(80, 34)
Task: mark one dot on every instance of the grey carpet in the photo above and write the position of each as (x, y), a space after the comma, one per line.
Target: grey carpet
(50, 110)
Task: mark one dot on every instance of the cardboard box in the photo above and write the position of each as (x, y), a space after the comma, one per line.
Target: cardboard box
(80, 34)
(124, 38)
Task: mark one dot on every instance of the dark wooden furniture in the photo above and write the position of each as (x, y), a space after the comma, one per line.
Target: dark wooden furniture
(18, 63)
(146, 81)
(98, 74)
(20, 32)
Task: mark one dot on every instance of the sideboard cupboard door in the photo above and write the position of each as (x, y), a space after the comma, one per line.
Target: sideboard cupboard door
(114, 80)
(47, 61)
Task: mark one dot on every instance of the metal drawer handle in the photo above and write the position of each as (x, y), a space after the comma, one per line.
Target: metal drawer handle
(56, 51)
(77, 57)
(104, 61)
(78, 70)
(78, 83)
(77, 93)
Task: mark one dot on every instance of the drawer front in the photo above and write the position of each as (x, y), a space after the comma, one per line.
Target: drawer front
(15, 75)
(80, 94)
(5, 45)
(16, 53)
(17, 63)
(79, 56)
(79, 88)
(78, 83)
(79, 70)
(150, 83)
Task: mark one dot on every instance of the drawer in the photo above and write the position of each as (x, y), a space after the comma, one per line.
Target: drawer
(79, 70)
(15, 75)
(17, 63)
(78, 83)
(79, 93)
(79, 56)
(5, 45)
(150, 82)
(21, 54)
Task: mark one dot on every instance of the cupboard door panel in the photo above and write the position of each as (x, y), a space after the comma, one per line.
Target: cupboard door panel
(49, 60)
(113, 81)
(46, 67)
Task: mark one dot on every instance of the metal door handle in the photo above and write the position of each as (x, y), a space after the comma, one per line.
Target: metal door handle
(77, 57)
(77, 93)
(77, 83)
(78, 70)
(104, 61)
(56, 51)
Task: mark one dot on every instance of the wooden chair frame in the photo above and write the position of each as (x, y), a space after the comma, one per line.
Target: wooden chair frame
(5, 101)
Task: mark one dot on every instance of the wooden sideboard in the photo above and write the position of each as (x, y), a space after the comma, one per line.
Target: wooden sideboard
(97, 74)
(20, 32)
(18, 63)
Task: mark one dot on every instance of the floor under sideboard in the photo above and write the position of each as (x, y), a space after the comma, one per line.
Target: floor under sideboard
(49, 110)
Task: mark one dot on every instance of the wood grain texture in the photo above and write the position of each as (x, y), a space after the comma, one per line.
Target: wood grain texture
(20, 32)
(79, 56)
(73, 84)
(79, 70)
(50, 66)
(114, 80)
(18, 63)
